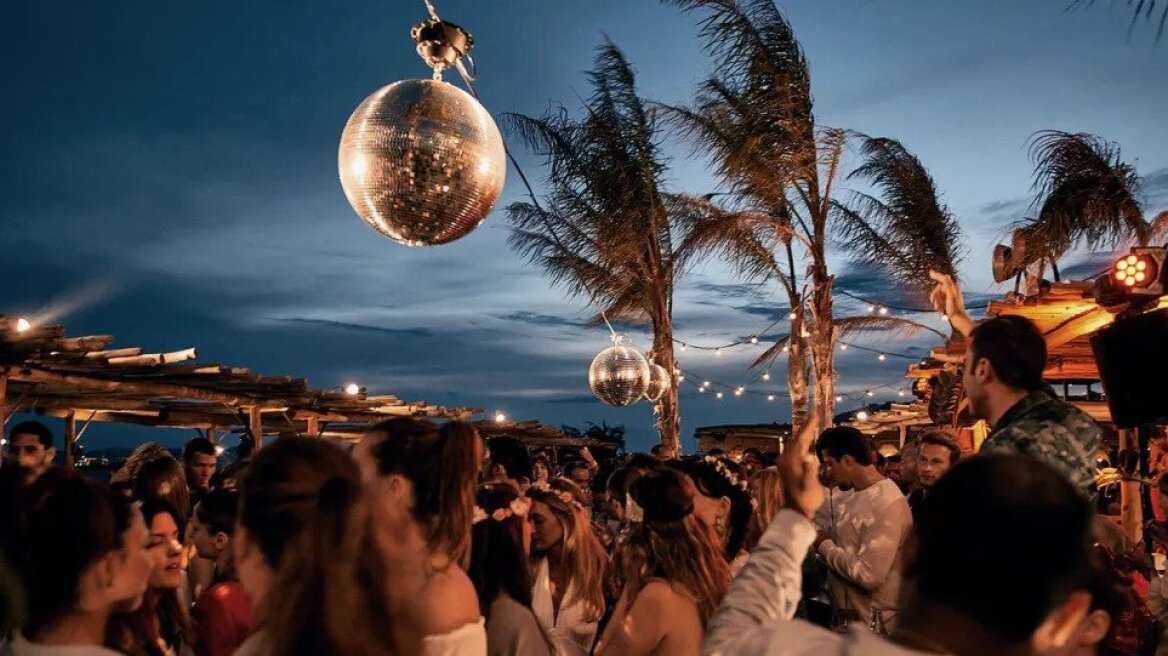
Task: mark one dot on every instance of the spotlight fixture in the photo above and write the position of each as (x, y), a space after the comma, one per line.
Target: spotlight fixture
(352, 389)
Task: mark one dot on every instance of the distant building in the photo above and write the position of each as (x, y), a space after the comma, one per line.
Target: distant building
(735, 438)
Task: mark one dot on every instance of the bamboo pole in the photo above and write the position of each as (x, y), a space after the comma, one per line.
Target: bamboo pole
(209, 433)
(1131, 508)
(70, 437)
(255, 423)
(312, 427)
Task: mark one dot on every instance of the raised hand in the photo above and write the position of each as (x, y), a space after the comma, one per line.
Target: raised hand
(802, 491)
(947, 299)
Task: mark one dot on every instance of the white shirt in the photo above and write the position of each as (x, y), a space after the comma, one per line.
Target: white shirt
(864, 556)
(466, 640)
(755, 616)
(571, 633)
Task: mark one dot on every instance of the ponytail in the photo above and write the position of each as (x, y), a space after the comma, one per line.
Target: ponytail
(442, 465)
(330, 591)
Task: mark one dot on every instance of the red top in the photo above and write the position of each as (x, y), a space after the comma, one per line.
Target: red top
(222, 616)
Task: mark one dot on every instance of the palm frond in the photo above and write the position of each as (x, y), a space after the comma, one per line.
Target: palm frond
(894, 327)
(745, 239)
(601, 229)
(1142, 10)
(906, 231)
(1158, 228)
(1086, 194)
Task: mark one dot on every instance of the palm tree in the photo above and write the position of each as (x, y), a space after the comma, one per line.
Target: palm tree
(603, 230)
(1087, 195)
(906, 231)
(755, 117)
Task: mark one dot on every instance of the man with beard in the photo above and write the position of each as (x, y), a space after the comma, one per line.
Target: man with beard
(937, 455)
(863, 555)
(1004, 361)
(30, 447)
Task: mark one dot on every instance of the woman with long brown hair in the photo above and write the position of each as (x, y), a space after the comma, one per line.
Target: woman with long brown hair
(161, 626)
(675, 572)
(307, 556)
(422, 477)
(569, 565)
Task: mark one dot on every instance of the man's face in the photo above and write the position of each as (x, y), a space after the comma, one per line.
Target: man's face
(29, 453)
(932, 463)
(200, 469)
(582, 477)
(973, 377)
(835, 472)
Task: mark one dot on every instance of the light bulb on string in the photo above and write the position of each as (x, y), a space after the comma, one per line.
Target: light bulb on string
(500, 417)
(754, 339)
(23, 325)
(718, 352)
(862, 416)
(770, 397)
(871, 393)
(682, 349)
(786, 348)
(882, 357)
(739, 391)
(352, 389)
(706, 384)
(843, 347)
(900, 392)
(883, 310)
(702, 390)
(871, 308)
(766, 375)
(719, 395)
(838, 399)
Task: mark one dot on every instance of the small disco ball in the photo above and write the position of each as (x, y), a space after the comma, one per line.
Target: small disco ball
(659, 383)
(619, 375)
(422, 162)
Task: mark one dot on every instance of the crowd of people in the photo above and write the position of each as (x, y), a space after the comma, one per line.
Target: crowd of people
(417, 540)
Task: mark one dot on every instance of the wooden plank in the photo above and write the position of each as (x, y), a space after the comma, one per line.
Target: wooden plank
(115, 353)
(312, 427)
(154, 389)
(1131, 513)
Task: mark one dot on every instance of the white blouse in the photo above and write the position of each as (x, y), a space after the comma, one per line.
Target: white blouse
(571, 633)
(466, 640)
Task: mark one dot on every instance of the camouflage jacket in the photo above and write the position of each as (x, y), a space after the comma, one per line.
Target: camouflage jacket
(1052, 430)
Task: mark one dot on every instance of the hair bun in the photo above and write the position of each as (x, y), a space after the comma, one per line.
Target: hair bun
(663, 495)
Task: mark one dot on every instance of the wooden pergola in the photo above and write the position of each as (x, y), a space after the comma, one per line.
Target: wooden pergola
(84, 380)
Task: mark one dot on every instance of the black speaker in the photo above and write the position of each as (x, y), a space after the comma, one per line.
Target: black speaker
(1132, 355)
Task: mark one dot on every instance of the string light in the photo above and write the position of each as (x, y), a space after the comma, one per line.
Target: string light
(870, 393)
(754, 339)
(786, 349)
(770, 397)
(718, 352)
(719, 395)
(740, 390)
(352, 389)
(706, 384)
(838, 399)
(882, 357)
(900, 392)
(766, 376)
(862, 416)
(883, 310)
(791, 317)
(843, 347)
(871, 308)
(702, 390)
(500, 417)
(22, 325)
(683, 347)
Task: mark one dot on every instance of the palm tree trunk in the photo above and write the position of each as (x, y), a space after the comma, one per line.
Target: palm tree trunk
(797, 370)
(667, 409)
(823, 347)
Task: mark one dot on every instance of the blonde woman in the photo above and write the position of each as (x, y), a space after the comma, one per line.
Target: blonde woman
(766, 488)
(675, 570)
(568, 564)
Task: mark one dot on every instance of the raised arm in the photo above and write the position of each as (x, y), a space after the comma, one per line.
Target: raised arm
(948, 300)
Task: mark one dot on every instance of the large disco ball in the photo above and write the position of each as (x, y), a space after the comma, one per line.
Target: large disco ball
(422, 162)
(619, 375)
(659, 383)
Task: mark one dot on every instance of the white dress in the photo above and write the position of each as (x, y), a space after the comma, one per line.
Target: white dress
(571, 633)
(466, 640)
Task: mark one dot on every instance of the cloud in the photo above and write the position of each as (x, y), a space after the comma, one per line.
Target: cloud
(342, 325)
(536, 319)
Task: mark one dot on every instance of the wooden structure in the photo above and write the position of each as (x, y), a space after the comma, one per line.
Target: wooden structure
(736, 438)
(83, 380)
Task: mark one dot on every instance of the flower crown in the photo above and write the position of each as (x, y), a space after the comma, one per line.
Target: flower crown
(518, 508)
(562, 495)
(726, 473)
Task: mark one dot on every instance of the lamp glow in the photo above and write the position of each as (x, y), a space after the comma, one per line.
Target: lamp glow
(352, 389)
(862, 416)
(22, 325)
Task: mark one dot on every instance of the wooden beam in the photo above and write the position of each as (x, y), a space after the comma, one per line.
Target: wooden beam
(1131, 513)
(209, 433)
(255, 423)
(31, 375)
(312, 427)
(70, 437)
